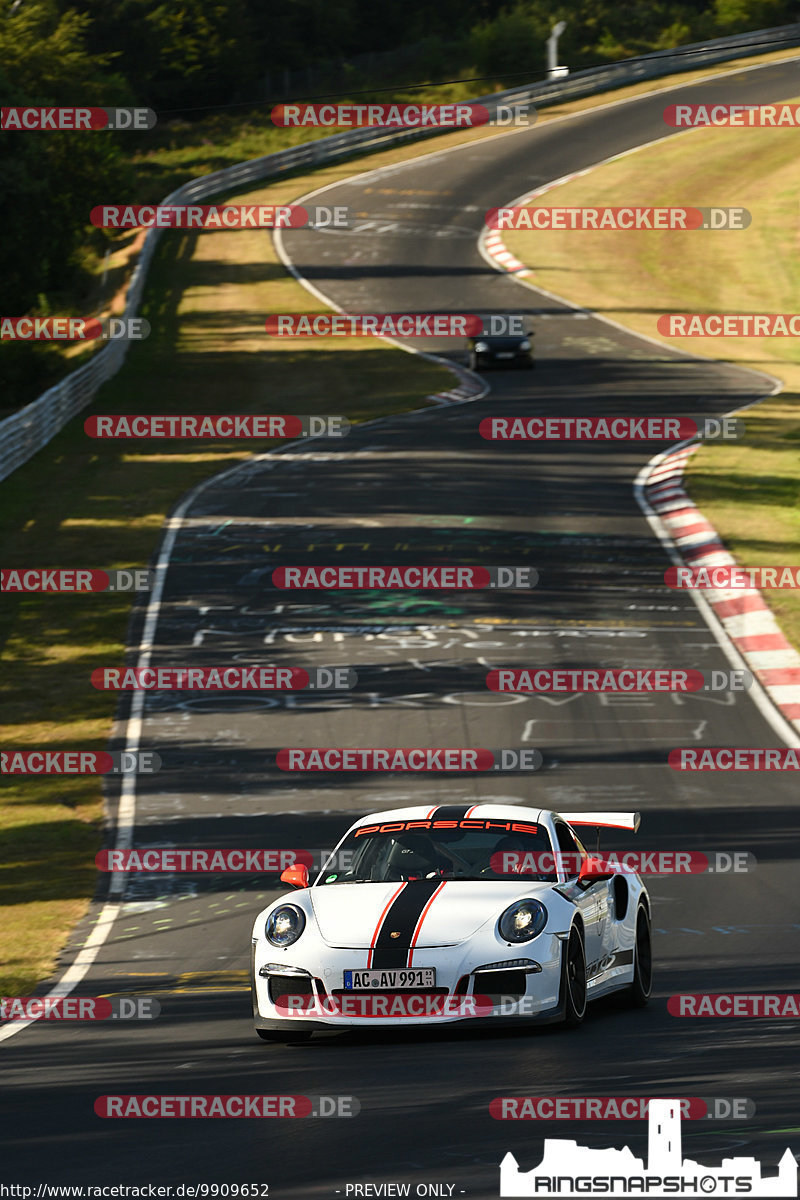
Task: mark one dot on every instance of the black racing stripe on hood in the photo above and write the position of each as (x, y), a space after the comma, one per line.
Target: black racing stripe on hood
(402, 918)
(450, 812)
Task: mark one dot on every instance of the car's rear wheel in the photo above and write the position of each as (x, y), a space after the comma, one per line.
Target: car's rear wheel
(639, 991)
(574, 978)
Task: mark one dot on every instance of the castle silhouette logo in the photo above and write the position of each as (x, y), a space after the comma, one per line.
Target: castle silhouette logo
(568, 1169)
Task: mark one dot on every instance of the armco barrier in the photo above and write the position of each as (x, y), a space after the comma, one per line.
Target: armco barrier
(26, 431)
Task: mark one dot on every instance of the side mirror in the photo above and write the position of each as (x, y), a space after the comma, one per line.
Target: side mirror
(593, 870)
(296, 876)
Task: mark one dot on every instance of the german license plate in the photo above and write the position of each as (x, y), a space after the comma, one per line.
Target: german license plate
(401, 977)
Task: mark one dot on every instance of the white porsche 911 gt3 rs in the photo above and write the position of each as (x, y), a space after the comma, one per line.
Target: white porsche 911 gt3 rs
(480, 912)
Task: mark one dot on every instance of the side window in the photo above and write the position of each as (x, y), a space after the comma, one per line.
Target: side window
(569, 846)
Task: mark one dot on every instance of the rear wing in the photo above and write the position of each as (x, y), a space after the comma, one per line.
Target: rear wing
(604, 820)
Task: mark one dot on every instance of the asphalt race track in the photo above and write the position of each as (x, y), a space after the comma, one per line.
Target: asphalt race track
(426, 487)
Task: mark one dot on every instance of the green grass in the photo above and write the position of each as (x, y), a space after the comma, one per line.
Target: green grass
(750, 491)
(85, 503)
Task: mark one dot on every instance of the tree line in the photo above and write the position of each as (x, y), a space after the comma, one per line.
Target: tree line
(186, 57)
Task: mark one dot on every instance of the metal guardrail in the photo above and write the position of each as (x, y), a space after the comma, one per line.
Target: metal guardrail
(25, 432)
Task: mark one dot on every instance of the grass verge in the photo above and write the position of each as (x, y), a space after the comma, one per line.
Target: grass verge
(176, 151)
(81, 503)
(750, 491)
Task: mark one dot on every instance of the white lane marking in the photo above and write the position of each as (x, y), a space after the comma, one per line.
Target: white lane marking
(127, 807)
(659, 468)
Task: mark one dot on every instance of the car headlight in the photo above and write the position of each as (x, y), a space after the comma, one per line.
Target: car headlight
(522, 921)
(481, 347)
(525, 345)
(285, 925)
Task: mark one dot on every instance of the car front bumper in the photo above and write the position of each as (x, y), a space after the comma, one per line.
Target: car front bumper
(533, 995)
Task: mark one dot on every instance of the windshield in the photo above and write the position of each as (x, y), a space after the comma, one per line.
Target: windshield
(400, 851)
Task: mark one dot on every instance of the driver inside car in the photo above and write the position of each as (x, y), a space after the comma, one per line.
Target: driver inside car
(415, 856)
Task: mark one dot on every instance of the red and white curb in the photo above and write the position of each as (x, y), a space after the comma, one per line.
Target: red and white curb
(470, 385)
(497, 249)
(742, 612)
(492, 241)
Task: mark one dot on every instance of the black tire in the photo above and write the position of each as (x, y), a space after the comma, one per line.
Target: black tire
(640, 989)
(574, 979)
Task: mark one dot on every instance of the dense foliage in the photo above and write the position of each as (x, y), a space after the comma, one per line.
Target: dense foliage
(184, 57)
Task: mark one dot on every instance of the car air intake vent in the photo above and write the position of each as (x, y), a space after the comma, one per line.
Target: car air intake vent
(495, 984)
(281, 985)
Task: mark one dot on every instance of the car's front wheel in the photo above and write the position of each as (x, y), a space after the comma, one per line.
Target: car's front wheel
(639, 991)
(574, 978)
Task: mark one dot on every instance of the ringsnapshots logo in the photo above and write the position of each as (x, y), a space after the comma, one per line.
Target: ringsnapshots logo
(399, 578)
(223, 679)
(625, 679)
(84, 580)
(75, 119)
(567, 1169)
(73, 329)
(223, 427)
(618, 217)
(609, 429)
(217, 217)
